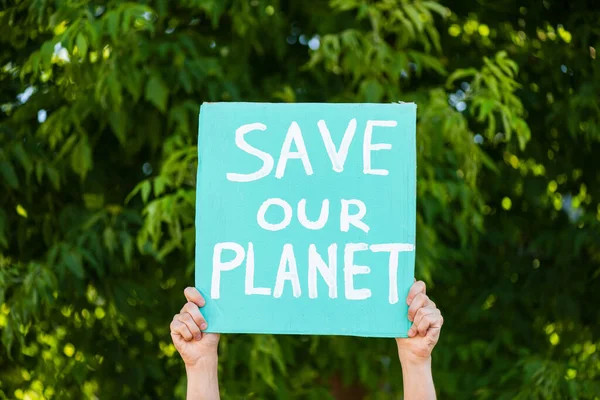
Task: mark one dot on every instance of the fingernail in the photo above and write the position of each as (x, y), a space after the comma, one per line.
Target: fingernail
(198, 336)
(408, 301)
(411, 332)
(203, 326)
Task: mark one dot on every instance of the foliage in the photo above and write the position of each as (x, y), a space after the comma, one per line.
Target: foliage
(99, 103)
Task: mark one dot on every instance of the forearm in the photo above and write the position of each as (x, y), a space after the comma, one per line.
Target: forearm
(202, 380)
(417, 378)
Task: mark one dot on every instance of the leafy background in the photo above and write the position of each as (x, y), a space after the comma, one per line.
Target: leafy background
(98, 109)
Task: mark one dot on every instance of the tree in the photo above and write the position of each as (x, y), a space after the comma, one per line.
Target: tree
(99, 103)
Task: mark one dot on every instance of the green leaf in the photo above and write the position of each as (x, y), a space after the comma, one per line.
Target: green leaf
(157, 92)
(146, 188)
(53, 176)
(435, 37)
(168, 248)
(46, 53)
(413, 14)
(82, 45)
(486, 106)
(93, 201)
(81, 158)
(118, 124)
(127, 244)
(488, 162)
(114, 89)
(67, 146)
(8, 173)
(110, 239)
(92, 29)
(3, 229)
(91, 260)
(428, 62)
(23, 158)
(523, 133)
(185, 80)
(436, 7)
(39, 171)
(160, 183)
(73, 262)
(112, 20)
(132, 80)
(459, 74)
(126, 19)
(494, 69)
(372, 91)
(405, 22)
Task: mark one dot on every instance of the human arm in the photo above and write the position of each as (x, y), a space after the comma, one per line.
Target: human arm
(197, 348)
(415, 351)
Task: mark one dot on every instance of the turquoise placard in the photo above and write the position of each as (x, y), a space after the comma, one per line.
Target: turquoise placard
(305, 217)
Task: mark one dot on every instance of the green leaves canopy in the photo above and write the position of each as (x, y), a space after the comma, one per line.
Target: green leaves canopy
(98, 111)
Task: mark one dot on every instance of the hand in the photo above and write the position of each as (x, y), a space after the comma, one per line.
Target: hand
(425, 331)
(192, 344)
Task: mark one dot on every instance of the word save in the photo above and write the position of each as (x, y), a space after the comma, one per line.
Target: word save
(294, 136)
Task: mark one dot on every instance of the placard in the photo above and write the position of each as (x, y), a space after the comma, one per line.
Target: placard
(305, 217)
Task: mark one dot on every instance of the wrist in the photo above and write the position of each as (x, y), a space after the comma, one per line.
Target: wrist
(203, 364)
(203, 379)
(410, 359)
(417, 376)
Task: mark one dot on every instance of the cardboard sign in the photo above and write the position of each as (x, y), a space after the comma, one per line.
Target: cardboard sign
(305, 217)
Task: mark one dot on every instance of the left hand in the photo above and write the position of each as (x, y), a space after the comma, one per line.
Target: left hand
(187, 333)
(425, 331)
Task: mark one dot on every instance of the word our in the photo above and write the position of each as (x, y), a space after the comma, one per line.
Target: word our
(294, 136)
(346, 219)
(288, 270)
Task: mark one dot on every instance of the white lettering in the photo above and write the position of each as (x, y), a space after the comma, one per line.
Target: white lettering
(293, 134)
(328, 272)
(368, 147)
(356, 219)
(319, 223)
(249, 284)
(350, 270)
(394, 249)
(287, 259)
(287, 214)
(243, 145)
(220, 266)
(338, 158)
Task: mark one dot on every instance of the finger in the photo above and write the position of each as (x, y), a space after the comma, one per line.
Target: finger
(433, 335)
(178, 328)
(422, 313)
(416, 288)
(420, 300)
(194, 311)
(431, 321)
(192, 294)
(191, 325)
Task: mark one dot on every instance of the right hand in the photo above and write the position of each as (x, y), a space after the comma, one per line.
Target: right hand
(187, 329)
(427, 324)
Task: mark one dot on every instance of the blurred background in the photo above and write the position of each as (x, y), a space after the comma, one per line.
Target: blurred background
(99, 104)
